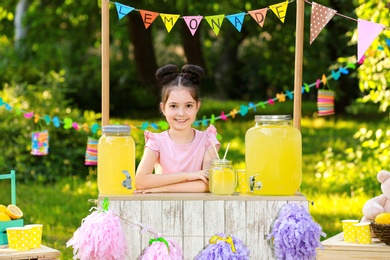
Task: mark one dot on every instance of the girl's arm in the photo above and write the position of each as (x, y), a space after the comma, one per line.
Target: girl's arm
(145, 179)
(189, 186)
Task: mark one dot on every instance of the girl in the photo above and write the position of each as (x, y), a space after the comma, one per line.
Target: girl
(180, 156)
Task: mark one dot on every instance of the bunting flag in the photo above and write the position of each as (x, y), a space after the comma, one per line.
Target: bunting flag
(367, 32)
(280, 10)
(215, 22)
(148, 17)
(237, 20)
(169, 20)
(123, 10)
(259, 15)
(193, 23)
(320, 16)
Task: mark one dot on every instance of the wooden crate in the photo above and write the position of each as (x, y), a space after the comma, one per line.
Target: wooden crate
(336, 248)
(192, 219)
(6, 224)
(41, 253)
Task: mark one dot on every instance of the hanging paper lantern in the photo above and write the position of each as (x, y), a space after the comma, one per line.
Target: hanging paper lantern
(295, 235)
(91, 152)
(224, 247)
(40, 143)
(100, 237)
(162, 249)
(325, 102)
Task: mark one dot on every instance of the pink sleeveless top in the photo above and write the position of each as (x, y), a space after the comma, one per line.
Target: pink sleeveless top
(172, 157)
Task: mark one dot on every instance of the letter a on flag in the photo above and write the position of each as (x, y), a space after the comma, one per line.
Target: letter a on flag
(123, 10)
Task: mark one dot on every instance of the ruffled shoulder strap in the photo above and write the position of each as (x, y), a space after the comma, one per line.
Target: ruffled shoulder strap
(211, 133)
(150, 141)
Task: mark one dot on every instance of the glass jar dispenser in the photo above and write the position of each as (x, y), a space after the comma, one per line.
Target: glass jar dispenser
(116, 161)
(273, 156)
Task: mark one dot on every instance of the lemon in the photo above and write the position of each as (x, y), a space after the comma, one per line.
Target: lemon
(2, 208)
(14, 212)
(383, 218)
(4, 217)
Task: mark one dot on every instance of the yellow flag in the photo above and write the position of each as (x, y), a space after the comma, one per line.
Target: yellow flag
(169, 20)
(215, 22)
(280, 10)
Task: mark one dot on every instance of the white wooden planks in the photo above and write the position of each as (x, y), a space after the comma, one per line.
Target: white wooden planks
(192, 219)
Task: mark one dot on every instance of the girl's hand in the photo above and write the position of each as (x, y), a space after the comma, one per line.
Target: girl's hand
(199, 175)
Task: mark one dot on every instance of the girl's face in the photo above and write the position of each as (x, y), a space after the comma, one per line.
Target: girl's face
(180, 109)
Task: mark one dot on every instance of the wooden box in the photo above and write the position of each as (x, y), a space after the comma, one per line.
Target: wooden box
(191, 219)
(336, 248)
(5, 225)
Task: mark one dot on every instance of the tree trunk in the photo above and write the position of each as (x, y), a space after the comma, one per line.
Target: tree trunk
(144, 54)
(20, 29)
(192, 46)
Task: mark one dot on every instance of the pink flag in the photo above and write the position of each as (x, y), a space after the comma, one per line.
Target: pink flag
(320, 16)
(367, 32)
(193, 22)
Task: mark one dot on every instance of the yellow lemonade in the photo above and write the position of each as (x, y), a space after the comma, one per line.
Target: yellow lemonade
(116, 163)
(273, 157)
(222, 178)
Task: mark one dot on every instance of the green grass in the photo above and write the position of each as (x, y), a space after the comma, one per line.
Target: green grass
(62, 206)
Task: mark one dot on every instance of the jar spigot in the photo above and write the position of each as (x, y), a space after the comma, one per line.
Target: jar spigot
(253, 185)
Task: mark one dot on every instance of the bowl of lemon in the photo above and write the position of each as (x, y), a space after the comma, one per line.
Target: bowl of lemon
(381, 227)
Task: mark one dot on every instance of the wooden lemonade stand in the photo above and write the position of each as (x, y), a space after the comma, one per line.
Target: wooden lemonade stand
(193, 218)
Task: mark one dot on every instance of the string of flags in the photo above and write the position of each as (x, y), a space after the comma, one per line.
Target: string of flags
(320, 16)
(68, 123)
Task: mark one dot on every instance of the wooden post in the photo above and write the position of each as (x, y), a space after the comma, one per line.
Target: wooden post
(105, 62)
(299, 31)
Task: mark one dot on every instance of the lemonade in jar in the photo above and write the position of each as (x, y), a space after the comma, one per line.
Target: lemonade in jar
(273, 156)
(116, 161)
(222, 177)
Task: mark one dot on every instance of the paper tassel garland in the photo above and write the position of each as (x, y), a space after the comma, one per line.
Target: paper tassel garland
(224, 247)
(162, 249)
(325, 102)
(100, 237)
(40, 143)
(91, 152)
(295, 235)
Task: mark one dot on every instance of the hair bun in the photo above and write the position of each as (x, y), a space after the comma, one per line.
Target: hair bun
(166, 74)
(193, 72)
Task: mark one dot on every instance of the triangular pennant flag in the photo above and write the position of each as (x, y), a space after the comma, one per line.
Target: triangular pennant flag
(169, 20)
(320, 16)
(193, 23)
(148, 17)
(237, 20)
(123, 10)
(259, 15)
(280, 10)
(215, 22)
(367, 32)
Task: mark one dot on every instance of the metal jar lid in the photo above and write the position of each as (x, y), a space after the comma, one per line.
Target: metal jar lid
(116, 129)
(262, 118)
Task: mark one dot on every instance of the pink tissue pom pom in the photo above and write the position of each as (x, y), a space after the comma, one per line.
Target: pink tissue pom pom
(100, 237)
(159, 251)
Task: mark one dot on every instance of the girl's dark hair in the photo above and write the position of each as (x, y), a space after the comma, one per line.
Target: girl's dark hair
(169, 77)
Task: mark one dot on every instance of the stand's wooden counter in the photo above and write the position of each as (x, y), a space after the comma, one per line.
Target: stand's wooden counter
(336, 248)
(192, 219)
(42, 253)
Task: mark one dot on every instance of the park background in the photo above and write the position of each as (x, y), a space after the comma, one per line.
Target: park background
(51, 65)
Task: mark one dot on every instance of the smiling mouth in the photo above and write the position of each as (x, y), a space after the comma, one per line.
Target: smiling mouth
(181, 120)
